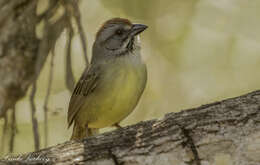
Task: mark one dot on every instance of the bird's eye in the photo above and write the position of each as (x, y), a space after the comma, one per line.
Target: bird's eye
(119, 32)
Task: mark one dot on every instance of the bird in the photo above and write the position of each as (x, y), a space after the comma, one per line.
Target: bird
(111, 86)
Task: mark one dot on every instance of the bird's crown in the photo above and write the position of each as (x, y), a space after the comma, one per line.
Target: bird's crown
(114, 21)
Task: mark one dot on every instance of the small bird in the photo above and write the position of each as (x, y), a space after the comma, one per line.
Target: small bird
(110, 88)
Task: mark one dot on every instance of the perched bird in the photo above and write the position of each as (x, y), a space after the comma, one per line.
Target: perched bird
(110, 88)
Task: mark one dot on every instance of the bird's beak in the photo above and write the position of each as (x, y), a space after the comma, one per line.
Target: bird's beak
(137, 29)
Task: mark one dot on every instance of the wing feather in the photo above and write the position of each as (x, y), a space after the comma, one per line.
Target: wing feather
(85, 85)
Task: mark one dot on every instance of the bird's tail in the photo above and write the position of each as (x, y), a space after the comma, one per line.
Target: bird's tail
(80, 132)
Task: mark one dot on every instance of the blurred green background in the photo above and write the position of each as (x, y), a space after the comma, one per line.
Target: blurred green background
(197, 52)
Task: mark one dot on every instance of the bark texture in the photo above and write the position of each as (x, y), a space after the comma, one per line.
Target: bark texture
(23, 51)
(229, 128)
(18, 50)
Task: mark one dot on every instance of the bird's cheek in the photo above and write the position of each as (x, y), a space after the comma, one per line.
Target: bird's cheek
(113, 44)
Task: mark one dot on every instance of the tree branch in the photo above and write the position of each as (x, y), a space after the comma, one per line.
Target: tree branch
(34, 119)
(4, 134)
(77, 15)
(23, 51)
(194, 136)
(70, 81)
(46, 99)
(13, 130)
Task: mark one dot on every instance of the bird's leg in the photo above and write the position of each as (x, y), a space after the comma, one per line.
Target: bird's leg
(88, 131)
(117, 126)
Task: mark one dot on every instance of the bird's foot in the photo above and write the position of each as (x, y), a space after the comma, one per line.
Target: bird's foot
(117, 126)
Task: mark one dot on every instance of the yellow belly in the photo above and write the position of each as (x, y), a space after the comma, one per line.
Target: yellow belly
(114, 100)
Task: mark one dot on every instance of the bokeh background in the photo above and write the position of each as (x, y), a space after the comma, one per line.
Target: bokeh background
(197, 52)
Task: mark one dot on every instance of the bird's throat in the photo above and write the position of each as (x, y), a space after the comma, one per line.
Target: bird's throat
(130, 45)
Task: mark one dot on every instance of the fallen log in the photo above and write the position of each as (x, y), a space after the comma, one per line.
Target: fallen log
(199, 136)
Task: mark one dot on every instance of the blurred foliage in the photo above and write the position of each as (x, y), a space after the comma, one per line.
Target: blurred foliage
(197, 52)
(159, 16)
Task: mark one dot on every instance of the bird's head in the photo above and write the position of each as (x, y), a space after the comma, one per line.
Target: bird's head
(118, 36)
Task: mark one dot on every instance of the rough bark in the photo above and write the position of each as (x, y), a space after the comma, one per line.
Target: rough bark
(23, 53)
(195, 136)
(18, 50)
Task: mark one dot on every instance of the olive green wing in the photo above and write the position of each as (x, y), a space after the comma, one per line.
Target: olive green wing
(85, 85)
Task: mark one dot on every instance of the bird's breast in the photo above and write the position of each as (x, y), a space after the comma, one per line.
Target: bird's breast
(118, 93)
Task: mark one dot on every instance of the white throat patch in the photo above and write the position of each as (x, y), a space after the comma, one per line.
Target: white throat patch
(138, 39)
